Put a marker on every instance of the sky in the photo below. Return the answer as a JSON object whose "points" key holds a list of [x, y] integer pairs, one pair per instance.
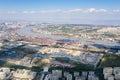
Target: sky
{"points": [[62, 11]]}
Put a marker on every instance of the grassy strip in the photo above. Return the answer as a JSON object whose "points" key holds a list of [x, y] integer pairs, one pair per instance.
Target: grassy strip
{"points": [[14, 66]]}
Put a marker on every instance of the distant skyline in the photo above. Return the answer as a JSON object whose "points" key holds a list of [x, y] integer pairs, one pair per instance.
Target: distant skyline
{"points": [[62, 11]]}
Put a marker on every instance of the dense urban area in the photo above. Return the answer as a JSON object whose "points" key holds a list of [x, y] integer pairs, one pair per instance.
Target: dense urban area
{"points": [[44, 51]]}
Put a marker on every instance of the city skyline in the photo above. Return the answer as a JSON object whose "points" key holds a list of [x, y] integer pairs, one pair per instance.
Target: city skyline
{"points": [[62, 11]]}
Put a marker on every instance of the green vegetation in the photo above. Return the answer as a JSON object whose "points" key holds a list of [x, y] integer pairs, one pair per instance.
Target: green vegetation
{"points": [[78, 66], [110, 34], [36, 69], [27, 51], [14, 66], [82, 67], [63, 59], [110, 60]]}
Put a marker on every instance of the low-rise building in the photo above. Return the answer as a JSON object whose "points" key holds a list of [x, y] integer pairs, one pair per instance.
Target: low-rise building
{"points": [[107, 71], [5, 73], [21, 74], [80, 78], [57, 73], [76, 74], [116, 71], [91, 73], [65, 74], [54, 77], [111, 77], [84, 74], [92, 77], [69, 77]]}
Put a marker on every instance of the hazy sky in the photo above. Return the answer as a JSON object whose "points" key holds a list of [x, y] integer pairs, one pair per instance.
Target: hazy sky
{"points": [[62, 11]]}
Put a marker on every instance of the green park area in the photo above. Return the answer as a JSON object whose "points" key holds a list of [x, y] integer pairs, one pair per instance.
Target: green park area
{"points": [[110, 60]]}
